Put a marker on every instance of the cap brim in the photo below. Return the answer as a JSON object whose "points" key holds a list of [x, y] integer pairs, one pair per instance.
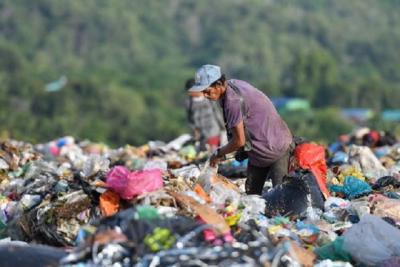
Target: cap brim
{"points": [[198, 88]]}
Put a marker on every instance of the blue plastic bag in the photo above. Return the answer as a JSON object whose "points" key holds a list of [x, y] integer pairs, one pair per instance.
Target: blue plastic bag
{"points": [[340, 158], [351, 188]]}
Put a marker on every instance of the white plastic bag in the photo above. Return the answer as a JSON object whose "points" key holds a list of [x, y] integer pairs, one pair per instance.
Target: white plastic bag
{"points": [[363, 157], [254, 206], [187, 172]]}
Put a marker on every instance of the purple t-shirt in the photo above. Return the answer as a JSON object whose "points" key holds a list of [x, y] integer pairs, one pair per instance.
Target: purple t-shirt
{"points": [[270, 136]]}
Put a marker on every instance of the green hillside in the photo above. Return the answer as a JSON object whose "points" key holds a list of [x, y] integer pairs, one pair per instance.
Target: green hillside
{"points": [[126, 61]]}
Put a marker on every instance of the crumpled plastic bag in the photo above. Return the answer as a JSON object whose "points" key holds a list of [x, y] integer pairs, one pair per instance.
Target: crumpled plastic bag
{"points": [[372, 241], [333, 251], [177, 143], [155, 164], [312, 157], [219, 188], [339, 158], [294, 196], [131, 184], [94, 164], [109, 203], [368, 162], [187, 172], [352, 187], [386, 207], [336, 202], [348, 170], [254, 205], [220, 195], [385, 181], [329, 263]]}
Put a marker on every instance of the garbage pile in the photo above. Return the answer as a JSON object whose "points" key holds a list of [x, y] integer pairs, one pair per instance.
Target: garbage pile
{"points": [[161, 204]]}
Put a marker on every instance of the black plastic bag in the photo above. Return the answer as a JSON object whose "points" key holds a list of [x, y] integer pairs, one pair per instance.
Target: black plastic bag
{"points": [[385, 181], [299, 191], [13, 254]]}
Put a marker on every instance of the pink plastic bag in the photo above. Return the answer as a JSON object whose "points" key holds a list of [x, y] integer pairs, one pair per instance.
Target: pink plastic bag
{"points": [[117, 178], [131, 184]]}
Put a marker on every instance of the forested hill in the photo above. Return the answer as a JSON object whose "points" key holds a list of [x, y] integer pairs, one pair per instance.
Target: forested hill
{"points": [[126, 60]]}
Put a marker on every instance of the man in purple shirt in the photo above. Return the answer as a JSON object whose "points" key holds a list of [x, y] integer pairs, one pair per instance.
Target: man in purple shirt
{"points": [[254, 126]]}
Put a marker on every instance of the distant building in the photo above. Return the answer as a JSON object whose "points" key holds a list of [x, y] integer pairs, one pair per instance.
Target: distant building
{"points": [[357, 115], [392, 115], [286, 104]]}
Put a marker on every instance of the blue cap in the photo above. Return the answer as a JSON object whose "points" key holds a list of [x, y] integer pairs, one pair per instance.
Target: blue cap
{"points": [[205, 76]]}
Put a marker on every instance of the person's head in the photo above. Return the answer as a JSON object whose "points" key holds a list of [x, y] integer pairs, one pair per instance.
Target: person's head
{"points": [[189, 84], [210, 82]]}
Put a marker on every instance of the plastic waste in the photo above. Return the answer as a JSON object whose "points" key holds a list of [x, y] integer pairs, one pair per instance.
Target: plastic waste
{"points": [[298, 192], [53, 149], [220, 189], [3, 164], [61, 186], [206, 177], [147, 212], [340, 158], [394, 195], [159, 239], [94, 164], [178, 143], [131, 184], [312, 214], [392, 262], [308, 233], [64, 141], [372, 241], [254, 206], [195, 196], [333, 251], [187, 172], [386, 181], [361, 207], [201, 193], [109, 203], [155, 164], [30, 201], [188, 152], [382, 151], [3, 228], [336, 202], [365, 158], [221, 195], [312, 157], [329, 263], [348, 170], [16, 253], [386, 207], [233, 168], [352, 187], [334, 147]]}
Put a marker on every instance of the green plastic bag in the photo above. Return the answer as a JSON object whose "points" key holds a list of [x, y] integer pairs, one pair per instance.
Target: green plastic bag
{"points": [[333, 251]]}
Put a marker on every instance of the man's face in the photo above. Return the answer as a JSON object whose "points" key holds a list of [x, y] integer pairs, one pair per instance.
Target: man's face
{"points": [[213, 93]]}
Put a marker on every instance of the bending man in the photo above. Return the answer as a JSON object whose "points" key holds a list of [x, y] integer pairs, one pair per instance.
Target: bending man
{"points": [[254, 127]]}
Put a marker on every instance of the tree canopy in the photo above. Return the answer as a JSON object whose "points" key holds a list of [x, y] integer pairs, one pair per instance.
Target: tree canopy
{"points": [[126, 61]]}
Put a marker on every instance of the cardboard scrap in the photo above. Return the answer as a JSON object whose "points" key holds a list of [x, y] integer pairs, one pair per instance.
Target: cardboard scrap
{"points": [[206, 213], [303, 256]]}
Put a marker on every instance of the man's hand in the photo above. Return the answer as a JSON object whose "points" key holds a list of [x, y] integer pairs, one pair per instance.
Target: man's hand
{"points": [[216, 158], [196, 134]]}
